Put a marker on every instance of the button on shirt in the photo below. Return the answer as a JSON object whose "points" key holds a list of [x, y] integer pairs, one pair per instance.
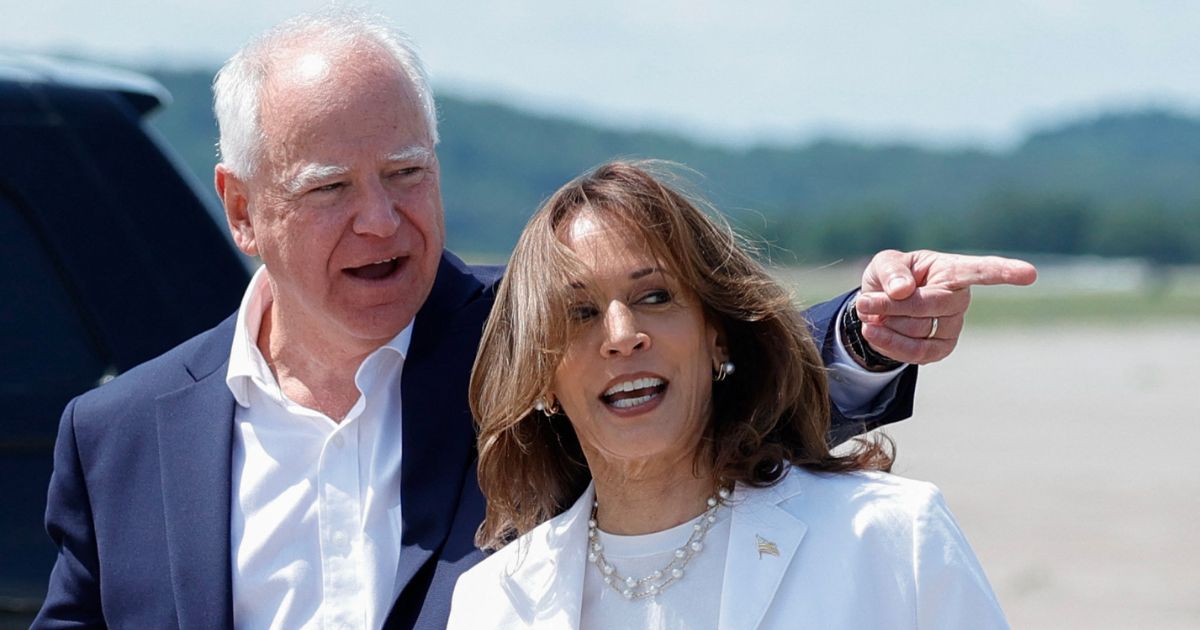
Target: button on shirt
{"points": [[315, 514]]}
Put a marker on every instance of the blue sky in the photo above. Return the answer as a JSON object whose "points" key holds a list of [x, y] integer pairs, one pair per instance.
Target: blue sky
{"points": [[966, 72]]}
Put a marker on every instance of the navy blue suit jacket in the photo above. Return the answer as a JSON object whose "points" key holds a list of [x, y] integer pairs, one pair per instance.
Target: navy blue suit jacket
{"points": [[139, 502]]}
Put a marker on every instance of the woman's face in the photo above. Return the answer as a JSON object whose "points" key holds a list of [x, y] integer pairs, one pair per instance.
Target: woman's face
{"points": [[636, 377]]}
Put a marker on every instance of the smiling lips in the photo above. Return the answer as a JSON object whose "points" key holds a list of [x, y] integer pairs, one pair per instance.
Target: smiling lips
{"points": [[634, 392], [378, 270]]}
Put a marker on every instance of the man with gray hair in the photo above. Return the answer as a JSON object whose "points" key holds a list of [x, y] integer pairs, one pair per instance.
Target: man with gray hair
{"points": [[270, 473]]}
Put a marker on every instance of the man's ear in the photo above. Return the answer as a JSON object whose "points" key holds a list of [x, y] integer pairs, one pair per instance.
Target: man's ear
{"points": [[233, 194]]}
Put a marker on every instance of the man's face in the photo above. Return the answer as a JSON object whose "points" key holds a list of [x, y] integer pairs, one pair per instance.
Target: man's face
{"points": [[345, 210]]}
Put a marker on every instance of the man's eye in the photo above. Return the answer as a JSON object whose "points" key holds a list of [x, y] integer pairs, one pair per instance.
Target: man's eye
{"points": [[658, 296], [329, 187], [411, 172], [582, 312]]}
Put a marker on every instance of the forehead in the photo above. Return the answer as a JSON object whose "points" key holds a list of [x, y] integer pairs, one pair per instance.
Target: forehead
{"points": [[609, 245], [317, 104]]}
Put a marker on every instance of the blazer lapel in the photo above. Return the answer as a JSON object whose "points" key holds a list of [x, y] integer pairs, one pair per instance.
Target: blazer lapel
{"points": [[545, 584], [432, 466], [438, 433], [195, 436], [762, 541]]}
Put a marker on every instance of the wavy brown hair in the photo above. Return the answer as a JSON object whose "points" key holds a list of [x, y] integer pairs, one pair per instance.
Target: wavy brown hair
{"points": [[772, 412]]}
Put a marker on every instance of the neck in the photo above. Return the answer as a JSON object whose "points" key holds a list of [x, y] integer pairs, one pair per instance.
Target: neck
{"points": [[311, 370], [633, 500]]}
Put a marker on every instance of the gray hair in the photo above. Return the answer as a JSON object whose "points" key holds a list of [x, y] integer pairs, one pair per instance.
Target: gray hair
{"points": [[237, 88]]}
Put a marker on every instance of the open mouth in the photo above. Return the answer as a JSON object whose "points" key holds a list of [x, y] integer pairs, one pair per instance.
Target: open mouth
{"points": [[378, 270], [634, 392]]}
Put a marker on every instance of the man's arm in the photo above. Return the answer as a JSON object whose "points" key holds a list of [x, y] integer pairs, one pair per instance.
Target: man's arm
{"points": [[868, 337], [73, 598], [857, 406]]}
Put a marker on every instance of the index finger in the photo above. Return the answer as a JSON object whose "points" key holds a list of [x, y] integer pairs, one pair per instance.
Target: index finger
{"points": [[961, 272]]}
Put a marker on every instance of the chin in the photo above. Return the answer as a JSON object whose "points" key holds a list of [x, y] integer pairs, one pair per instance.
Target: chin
{"points": [[644, 445]]}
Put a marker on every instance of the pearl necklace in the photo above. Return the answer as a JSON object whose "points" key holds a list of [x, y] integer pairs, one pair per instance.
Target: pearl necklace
{"points": [[638, 588]]}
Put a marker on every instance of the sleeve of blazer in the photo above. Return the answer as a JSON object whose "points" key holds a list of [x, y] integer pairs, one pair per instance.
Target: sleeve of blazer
{"points": [[952, 589], [73, 597], [893, 404]]}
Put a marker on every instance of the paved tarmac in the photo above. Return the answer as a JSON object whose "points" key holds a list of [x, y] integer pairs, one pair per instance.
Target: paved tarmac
{"points": [[1069, 456]]}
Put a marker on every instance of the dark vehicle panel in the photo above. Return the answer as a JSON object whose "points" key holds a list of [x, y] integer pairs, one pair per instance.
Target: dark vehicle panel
{"points": [[108, 257]]}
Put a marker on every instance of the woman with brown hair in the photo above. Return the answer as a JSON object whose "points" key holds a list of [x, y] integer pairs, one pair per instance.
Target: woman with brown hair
{"points": [[653, 418]]}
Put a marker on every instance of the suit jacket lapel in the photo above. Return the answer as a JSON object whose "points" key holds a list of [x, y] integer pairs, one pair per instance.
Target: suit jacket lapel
{"points": [[763, 538], [195, 436], [429, 476], [438, 433]]}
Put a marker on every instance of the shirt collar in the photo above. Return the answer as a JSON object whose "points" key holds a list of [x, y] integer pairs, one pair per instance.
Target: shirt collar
{"points": [[247, 366]]}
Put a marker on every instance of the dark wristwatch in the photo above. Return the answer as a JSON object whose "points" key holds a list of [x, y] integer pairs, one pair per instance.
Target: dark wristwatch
{"points": [[858, 347]]}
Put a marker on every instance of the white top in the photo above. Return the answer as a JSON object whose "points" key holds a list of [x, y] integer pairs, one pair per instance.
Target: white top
{"points": [[830, 551], [693, 602], [315, 514]]}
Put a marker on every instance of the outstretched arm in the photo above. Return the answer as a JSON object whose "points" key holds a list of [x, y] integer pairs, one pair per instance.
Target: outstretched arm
{"points": [[901, 294], [860, 400]]}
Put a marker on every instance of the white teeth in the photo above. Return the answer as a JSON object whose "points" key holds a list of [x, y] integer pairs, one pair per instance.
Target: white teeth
{"points": [[385, 260], [626, 403], [637, 383]]}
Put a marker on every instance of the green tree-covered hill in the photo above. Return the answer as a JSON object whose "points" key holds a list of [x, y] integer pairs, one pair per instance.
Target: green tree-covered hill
{"points": [[1123, 184]]}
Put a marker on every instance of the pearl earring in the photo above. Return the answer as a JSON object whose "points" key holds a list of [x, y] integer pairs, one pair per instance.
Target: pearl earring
{"points": [[540, 405], [724, 369]]}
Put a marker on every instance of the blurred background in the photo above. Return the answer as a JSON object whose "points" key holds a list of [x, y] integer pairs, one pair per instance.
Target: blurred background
{"points": [[1063, 428]]}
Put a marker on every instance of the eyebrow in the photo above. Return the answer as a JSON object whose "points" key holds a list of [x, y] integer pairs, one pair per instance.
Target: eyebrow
{"points": [[310, 174], [640, 273], [414, 152]]}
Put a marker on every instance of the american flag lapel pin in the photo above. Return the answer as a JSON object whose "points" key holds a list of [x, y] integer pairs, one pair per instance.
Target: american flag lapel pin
{"points": [[766, 547]]}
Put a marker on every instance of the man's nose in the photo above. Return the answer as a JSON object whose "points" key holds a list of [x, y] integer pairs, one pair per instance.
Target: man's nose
{"points": [[377, 213], [622, 336]]}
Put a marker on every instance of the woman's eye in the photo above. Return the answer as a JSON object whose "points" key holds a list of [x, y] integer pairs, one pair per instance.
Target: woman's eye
{"points": [[658, 296], [582, 312]]}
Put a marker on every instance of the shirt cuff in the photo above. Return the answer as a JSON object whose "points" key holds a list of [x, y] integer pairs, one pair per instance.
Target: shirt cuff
{"points": [[854, 389]]}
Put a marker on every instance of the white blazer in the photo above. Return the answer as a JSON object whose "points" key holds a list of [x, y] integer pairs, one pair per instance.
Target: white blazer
{"points": [[855, 551]]}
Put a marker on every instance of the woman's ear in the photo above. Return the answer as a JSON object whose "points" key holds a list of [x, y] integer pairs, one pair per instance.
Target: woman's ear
{"points": [[717, 346]]}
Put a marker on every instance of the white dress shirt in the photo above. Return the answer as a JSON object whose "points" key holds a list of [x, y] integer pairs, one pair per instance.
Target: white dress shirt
{"points": [[315, 513]]}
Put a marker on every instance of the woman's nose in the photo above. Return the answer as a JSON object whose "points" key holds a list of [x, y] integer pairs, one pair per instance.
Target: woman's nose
{"points": [[621, 334]]}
